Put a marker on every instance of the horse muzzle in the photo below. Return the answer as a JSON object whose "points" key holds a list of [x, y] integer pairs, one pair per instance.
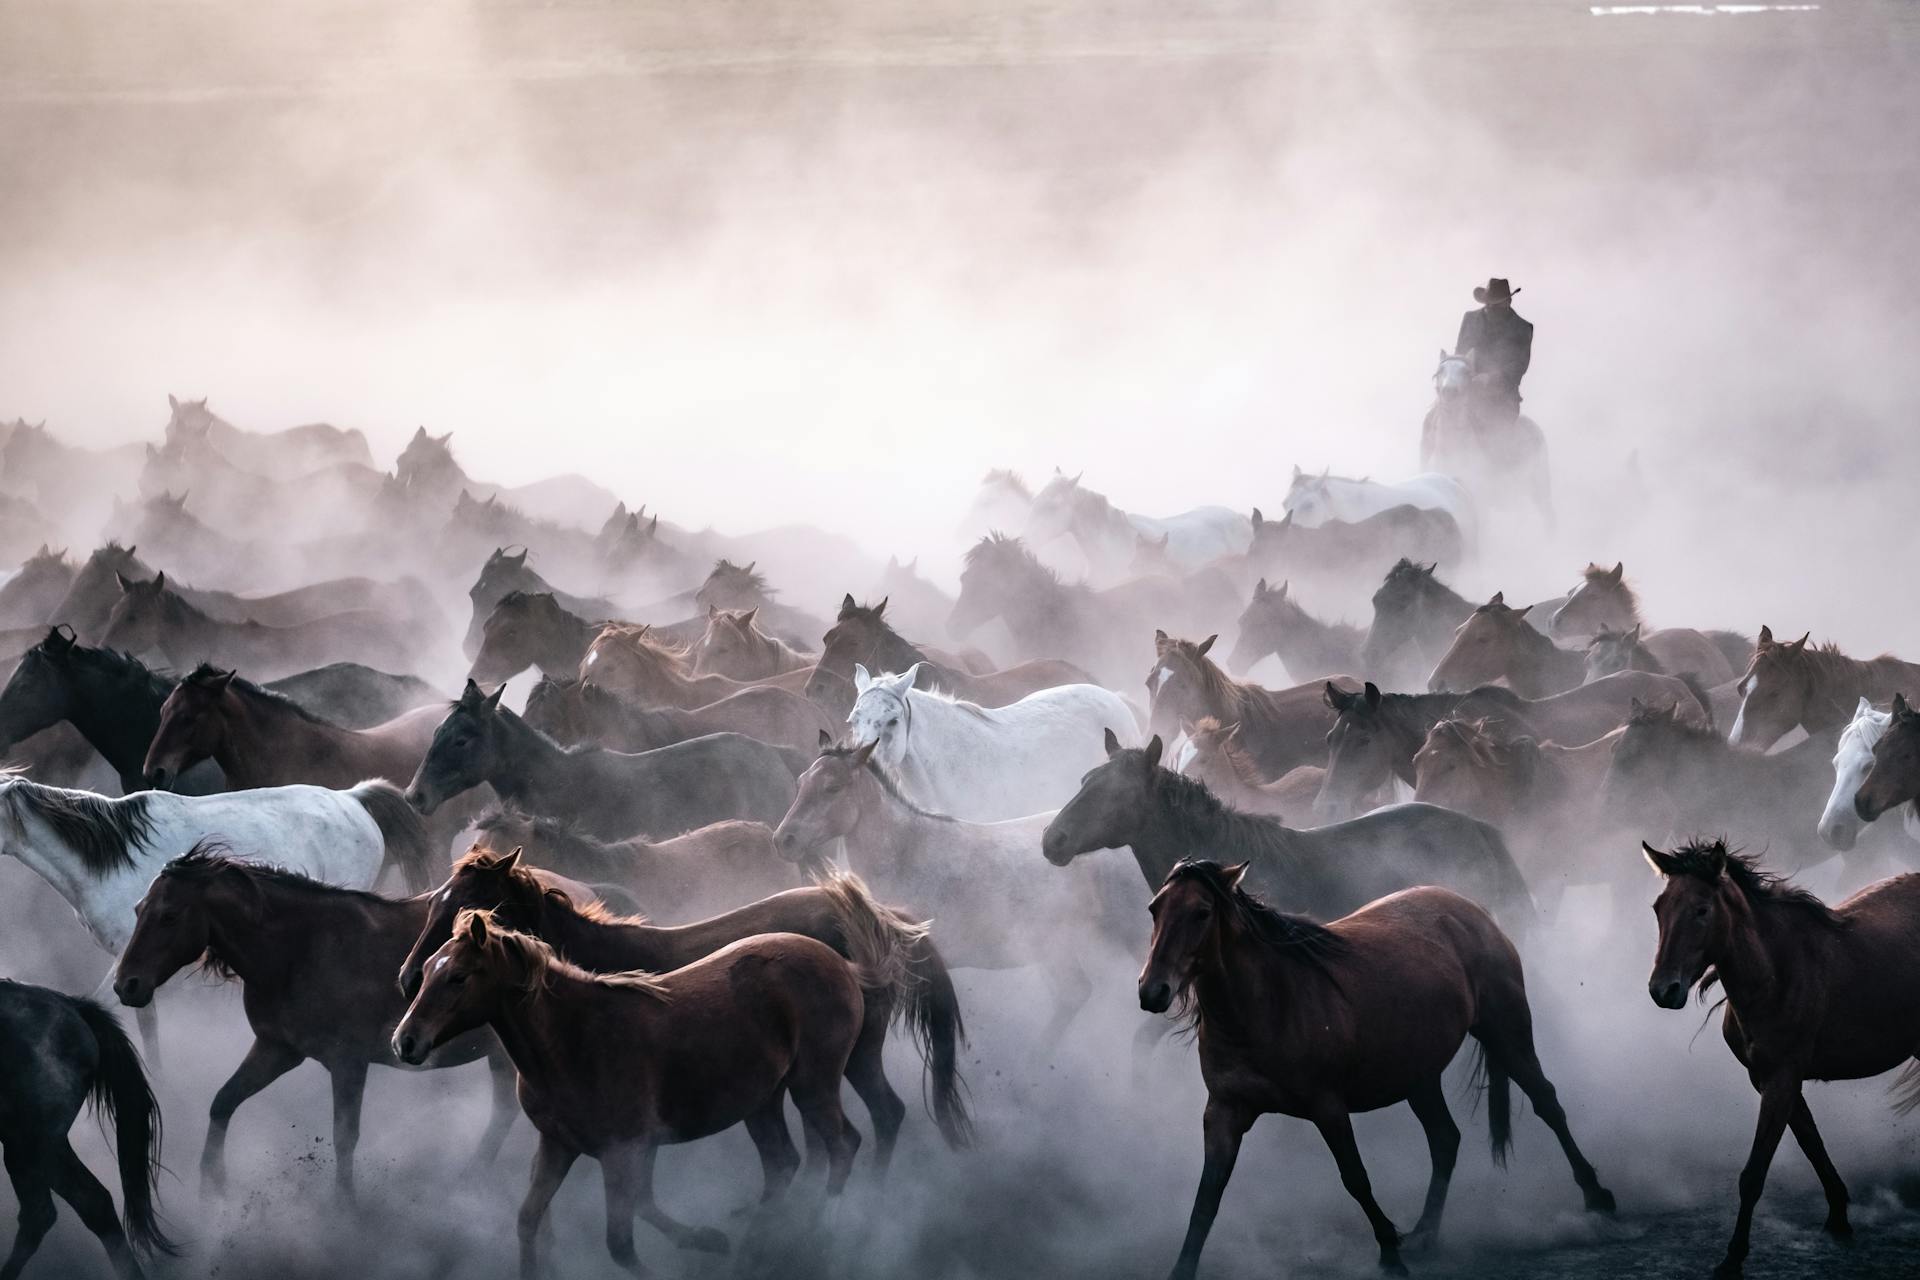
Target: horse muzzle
{"points": [[1156, 995], [133, 992], [411, 1047], [1668, 993]]}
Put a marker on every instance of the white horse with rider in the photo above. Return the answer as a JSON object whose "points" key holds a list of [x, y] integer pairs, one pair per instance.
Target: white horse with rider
{"points": [[1494, 458]]}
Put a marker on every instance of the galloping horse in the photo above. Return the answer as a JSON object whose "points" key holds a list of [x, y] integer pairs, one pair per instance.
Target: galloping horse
{"points": [[1788, 684], [1454, 441]]}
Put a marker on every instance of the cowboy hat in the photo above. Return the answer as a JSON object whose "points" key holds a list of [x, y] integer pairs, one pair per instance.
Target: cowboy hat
{"points": [[1496, 291]]}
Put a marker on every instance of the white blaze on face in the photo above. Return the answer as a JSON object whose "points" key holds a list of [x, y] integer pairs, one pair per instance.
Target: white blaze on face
{"points": [[1160, 678]]}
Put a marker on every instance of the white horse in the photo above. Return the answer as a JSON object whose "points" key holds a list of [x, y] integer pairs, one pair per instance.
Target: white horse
{"points": [[1451, 442], [985, 764], [1108, 537], [1314, 500], [1852, 758], [101, 853], [1000, 504]]}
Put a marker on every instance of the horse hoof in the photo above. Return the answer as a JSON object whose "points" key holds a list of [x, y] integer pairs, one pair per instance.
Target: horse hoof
{"points": [[1840, 1229], [1729, 1270], [1392, 1265], [707, 1240], [1600, 1200], [1421, 1240]]}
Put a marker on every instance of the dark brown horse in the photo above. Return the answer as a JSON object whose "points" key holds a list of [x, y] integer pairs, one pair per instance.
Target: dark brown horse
{"points": [[917, 991], [1280, 729], [1894, 776], [1790, 684], [1131, 802], [706, 870], [1812, 993], [531, 629], [573, 712], [862, 636], [1275, 623], [317, 963], [1321, 1021], [149, 617], [1414, 618], [671, 1058]]}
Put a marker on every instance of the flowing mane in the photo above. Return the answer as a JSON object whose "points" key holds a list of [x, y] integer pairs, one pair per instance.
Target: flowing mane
{"points": [[115, 666], [1003, 551], [1602, 579], [206, 674], [740, 578], [1191, 806], [527, 964], [1290, 935], [102, 831], [641, 641], [1707, 859]]}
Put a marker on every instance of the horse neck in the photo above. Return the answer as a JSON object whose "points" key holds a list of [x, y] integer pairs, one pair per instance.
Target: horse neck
{"points": [[1225, 833], [894, 652], [118, 721], [259, 947], [528, 766], [567, 644], [56, 862], [1442, 610], [888, 830], [1409, 718], [605, 946], [266, 745], [1102, 529], [542, 1029], [1242, 984], [1542, 661], [1755, 955]]}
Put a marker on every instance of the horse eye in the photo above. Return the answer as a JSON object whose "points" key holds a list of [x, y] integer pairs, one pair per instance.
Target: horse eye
{"points": [[457, 980], [893, 722]]}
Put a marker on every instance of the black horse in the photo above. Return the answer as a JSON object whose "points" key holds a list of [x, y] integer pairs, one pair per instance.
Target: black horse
{"points": [[57, 1053], [610, 794]]}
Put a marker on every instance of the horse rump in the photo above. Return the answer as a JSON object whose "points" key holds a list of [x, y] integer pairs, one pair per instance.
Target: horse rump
{"points": [[409, 850]]}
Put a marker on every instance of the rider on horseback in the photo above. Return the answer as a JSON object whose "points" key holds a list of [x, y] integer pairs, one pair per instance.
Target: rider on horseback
{"points": [[1502, 347]]}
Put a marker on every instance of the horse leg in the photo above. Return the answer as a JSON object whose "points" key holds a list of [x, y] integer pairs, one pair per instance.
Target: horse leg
{"points": [[1429, 1103], [349, 1087], [867, 1073], [76, 1185], [619, 1170], [34, 1191], [1807, 1134], [1508, 1041], [705, 1239], [1223, 1128], [1336, 1130], [1776, 1108], [265, 1062], [506, 1105], [550, 1164], [817, 1094], [779, 1161]]}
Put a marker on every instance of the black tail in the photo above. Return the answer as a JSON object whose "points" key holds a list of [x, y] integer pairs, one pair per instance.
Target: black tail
{"points": [[121, 1093], [409, 850], [1490, 1076], [934, 1021]]}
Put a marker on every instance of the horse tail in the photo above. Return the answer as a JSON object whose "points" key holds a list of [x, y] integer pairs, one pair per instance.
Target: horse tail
{"points": [[1906, 1088], [1489, 1076], [120, 1092], [409, 850], [894, 954]]}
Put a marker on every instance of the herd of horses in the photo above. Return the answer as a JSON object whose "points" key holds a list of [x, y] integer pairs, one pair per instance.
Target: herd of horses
{"points": [[721, 850]]}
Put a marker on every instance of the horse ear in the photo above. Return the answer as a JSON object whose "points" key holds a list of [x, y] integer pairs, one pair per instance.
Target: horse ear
{"points": [[1285, 587], [863, 753], [746, 619], [471, 693], [171, 402], [1075, 482], [1663, 863], [477, 928], [59, 640], [492, 702], [1112, 741], [1523, 611], [1499, 597], [862, 678], [160, 580], [1899, 705], [911, 677], [1801, 643], [512, 860], [1286, 521], [1233, 733], [1259, 588], [846, 603], [1373, 695], [1618, 572], [1258, 519], [1766, 637], [1154, 748], [1235, 874], [1208, 643], [1160, 640], [126, 583], [913, 565], [713, 610], [750, 564], [220, 682], [880, 609], [1633, 634], [1337, 698]]}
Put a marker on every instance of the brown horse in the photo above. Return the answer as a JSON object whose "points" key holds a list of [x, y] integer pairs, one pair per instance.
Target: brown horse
{"points": [[1613, 651], [317, 963], [1216, 758], [740, 586], [1894, 776], [1280, 729], [1812, 993], [531, 629], [1321, 1021], [838, 911], [1496, 643], [1603, 599], [862, 636], [670, 1058], [735, 647], [1815, 688], [706, 870], [148, 617], [1275, 623], [573, 712], [633, 661]]}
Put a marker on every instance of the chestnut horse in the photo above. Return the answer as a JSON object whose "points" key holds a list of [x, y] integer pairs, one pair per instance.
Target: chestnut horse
{"points": [[838, 912], [670, 1058], [1812, 993], [1497, 643], [633, 660], [317, 962], [1280, 729], [1603, 599], [862, 636], [1789, 684], [735, 647], [1321, 1021]]}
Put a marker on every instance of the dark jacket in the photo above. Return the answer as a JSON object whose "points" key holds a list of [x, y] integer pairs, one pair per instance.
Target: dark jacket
{"points": [[1502, 344]]}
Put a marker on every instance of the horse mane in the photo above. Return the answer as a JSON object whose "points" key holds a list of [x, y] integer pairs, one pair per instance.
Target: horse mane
{"points": [[1292, 935], [639, 637], [1008, 477], [531, 964], [1238, 758], [210, 858], [102, 831], [1601, 578], [1665, 717], [1519, 756], [119, 666], [1218, 685], [519, 598], [888, 783], [1239, 837], [742, 575], [1006, 550], [1706, 859], [206, 672], [583, 856]]}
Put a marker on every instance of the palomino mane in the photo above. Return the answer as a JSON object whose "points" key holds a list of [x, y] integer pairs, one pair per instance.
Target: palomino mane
{"points": [[583, 856], [1295, 937], [532, 964], [1706, 859], [206, 673], [1217, 684], [102, 831]]}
